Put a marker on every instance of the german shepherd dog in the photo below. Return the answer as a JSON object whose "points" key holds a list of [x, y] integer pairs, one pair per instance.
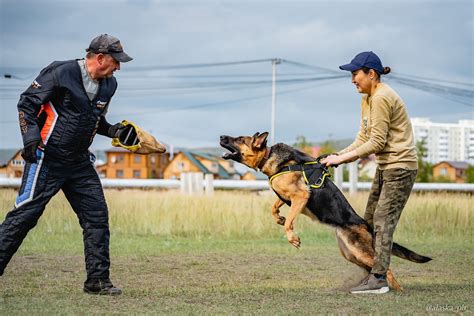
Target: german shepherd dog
{"points": [[327, 204]]}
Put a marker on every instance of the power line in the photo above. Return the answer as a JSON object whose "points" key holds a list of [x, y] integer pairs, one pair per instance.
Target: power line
{"points": [[198, 65], [405, 76], [203, 105], [244, 75], [307, 66], [441, 90]]}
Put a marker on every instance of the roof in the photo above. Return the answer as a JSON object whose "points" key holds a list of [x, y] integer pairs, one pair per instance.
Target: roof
{"points": [[455, 164], [212, 151], [196, 162], [257, 175], [6, 155], [221, 171]]}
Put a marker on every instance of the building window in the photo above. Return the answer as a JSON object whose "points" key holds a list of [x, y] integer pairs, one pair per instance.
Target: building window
{"points": [[119, 173], [118, 159], [18, 162], [137, 159], [180, 166], [153, 159], [136, 174], [443, 172]]}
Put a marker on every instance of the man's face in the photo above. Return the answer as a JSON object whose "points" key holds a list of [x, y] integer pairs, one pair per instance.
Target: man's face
{"points": [[107, 65]]}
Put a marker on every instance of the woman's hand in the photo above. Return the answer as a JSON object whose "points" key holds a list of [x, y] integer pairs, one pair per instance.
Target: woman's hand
{"points": [[331, 160], [335, 160]]}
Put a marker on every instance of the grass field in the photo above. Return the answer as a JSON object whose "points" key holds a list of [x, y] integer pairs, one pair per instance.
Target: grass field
{"points": [[224, 255]]}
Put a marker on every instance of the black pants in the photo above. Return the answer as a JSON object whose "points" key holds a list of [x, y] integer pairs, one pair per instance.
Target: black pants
{"points": [[82, 188]]}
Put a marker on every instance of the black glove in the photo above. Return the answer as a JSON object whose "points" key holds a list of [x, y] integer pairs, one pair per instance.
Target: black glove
{"points": [[29, 151], [116, 130]]}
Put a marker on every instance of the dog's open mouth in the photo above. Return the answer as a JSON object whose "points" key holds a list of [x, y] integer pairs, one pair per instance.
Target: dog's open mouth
{"points": [[234, 151]]}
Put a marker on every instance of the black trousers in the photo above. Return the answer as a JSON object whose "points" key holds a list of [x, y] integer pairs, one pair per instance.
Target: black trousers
{"points": [[82, 188]]}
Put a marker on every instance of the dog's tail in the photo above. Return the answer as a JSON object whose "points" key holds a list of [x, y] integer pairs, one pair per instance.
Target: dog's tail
{"points": [[407, 254]]}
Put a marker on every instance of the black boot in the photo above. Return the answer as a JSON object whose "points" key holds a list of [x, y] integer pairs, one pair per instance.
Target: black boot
{"points": [[101, 287]]}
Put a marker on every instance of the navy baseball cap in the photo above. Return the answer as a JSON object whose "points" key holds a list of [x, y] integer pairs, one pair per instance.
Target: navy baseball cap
{"points": [[108, 44], [365, 59]]}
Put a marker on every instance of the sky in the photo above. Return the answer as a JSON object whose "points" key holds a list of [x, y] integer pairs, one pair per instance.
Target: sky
{"points": [[191, 107]]}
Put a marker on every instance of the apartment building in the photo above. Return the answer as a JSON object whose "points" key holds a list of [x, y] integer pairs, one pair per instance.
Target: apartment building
{"points": [[446, 141]]}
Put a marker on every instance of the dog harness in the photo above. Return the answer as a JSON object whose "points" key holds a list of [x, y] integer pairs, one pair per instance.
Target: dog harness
{"points": [[314, 173]]}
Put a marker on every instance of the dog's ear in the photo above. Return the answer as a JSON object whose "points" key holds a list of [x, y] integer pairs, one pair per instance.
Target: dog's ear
{"points": [[256, 134], [260, 141]]}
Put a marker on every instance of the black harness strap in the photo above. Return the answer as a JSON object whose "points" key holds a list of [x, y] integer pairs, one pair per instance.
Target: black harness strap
{"points": [[314, 174]]}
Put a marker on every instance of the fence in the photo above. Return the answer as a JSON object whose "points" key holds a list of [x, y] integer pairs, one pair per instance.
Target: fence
{"points": [[197, 183]]}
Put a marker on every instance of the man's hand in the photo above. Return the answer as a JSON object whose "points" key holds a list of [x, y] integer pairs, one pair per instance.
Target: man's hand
{"points": [[29, 151], [116, 130]]}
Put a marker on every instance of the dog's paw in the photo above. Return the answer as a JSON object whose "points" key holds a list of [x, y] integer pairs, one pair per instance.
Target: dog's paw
{"points": [[295, 241], [281, 220]]}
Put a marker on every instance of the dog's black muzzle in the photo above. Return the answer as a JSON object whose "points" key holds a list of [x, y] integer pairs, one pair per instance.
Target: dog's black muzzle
{"points": [[228, 143]]}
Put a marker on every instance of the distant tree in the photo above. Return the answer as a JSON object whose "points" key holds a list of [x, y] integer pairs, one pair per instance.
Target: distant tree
{"points": [[470, 174], [327, 147], [425, 169], [301, 142]]}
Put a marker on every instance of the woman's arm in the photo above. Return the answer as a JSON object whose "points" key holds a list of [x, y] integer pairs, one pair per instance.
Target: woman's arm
{"points": [[332, 160]]}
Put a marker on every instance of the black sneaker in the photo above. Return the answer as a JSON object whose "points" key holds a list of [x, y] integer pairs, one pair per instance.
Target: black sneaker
{"points": [[101, 287], [371, 285]]}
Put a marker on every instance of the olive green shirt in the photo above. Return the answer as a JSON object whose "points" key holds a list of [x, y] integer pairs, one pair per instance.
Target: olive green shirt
{"points": [[385, 131]]}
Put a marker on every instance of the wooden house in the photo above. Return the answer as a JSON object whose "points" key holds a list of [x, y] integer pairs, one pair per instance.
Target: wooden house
{"points": [[195, 161], [11, 164], [123, 164], [454, 171]]}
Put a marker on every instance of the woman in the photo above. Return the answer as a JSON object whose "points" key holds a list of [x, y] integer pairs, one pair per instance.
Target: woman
{"points": [[385, 131]]}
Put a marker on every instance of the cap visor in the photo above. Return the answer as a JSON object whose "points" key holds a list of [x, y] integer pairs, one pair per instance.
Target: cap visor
{"points": [[350, 67], [121, 57]]}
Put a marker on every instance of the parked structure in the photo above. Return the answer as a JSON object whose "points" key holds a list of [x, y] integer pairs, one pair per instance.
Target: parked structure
{"points": [[446, 141]]}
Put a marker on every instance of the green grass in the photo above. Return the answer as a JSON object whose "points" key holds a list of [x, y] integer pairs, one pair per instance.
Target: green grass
{"points": [[176, 254]]}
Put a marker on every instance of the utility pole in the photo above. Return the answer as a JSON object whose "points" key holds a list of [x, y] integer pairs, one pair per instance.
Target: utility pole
{"points": [[275, 61]]}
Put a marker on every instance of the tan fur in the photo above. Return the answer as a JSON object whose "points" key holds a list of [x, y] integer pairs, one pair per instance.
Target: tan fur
{"points": [[355, 242]]}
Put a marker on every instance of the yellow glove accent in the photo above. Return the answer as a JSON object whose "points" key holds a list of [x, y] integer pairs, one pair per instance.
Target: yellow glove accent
{"points": [[144, 142]]}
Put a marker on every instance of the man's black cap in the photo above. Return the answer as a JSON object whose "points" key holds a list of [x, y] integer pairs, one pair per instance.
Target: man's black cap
{"points": [[107, 44]]}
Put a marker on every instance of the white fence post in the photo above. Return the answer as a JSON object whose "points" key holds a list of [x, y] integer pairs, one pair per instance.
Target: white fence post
{"points": [[338, 176], [183, 184], [353, 177], [198, 182], [209, 184], [192, 183]]}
